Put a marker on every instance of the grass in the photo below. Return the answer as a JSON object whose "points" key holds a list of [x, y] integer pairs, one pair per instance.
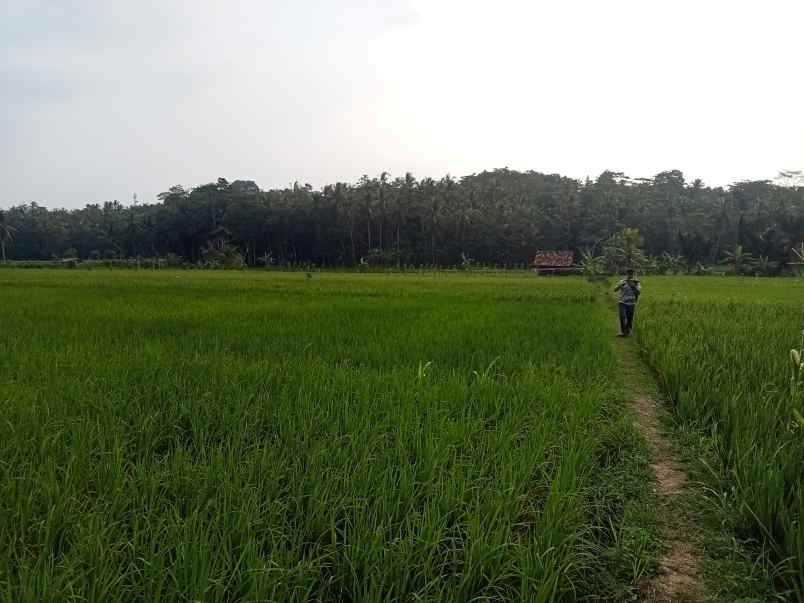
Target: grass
{"points": [[720, 349], [250, 436]]}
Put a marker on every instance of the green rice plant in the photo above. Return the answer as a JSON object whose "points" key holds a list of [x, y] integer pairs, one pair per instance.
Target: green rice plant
{"points": [[797, 371], [223, 436], [720, 349], [488, 374], [423, 371]]}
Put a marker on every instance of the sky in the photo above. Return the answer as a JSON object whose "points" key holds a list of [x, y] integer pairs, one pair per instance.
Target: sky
{"points": [[102, 99]]}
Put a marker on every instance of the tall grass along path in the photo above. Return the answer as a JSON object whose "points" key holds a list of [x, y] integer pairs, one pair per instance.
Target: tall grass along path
{"points": [[720, 348]]}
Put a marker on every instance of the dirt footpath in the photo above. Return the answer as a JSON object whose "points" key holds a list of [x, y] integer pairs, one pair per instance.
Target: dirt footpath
{"points": [[679, 578]]}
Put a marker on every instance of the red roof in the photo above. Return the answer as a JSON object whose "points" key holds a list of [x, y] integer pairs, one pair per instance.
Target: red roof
{"points": [[561, 259]]}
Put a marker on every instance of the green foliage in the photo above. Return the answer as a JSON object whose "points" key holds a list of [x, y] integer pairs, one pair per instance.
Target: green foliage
{"points": [[739, 261], [222, 255], [592, 266], [624, 251], [188, 435], [383, 257], [764, 266], [670, 263], [173, 261], [797, 375], [721, 349], [6, 235], [499, 218], [797, 255]]}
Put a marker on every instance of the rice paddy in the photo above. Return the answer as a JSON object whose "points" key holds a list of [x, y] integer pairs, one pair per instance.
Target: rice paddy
{"points": [[264, 436], [225, 436], [721, 348]]}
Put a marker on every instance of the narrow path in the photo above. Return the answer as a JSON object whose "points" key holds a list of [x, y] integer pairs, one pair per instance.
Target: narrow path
{"points": [[679, 578]]}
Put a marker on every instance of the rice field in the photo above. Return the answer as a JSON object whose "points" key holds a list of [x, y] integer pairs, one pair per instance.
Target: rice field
{"points": [[222, 436], [261, 436], [721, 348]]}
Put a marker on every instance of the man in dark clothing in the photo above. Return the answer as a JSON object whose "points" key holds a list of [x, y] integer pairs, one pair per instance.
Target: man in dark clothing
{"points": [[629, 289]]}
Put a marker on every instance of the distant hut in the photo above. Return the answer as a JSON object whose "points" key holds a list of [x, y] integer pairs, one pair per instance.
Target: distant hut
{"points": [[553, 262]]}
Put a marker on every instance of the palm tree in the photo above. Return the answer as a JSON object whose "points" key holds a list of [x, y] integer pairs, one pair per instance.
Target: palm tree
{"points": [[6, 234]]}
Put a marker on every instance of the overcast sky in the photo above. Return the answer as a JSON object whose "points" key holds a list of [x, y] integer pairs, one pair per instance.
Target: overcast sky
{"points": [[101, 98]]}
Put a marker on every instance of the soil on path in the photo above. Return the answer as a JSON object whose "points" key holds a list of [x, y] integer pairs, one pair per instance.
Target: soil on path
{"points": [[679, 578]]}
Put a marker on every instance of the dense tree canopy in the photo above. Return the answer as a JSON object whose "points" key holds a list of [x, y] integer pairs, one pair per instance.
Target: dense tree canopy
{"points": [[500, 217]]}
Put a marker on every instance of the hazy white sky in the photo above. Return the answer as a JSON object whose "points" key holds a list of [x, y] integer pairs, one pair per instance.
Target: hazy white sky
{"points": [[104, 98]]}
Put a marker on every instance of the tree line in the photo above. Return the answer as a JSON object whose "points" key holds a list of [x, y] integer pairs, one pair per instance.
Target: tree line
{"points": [[501, 218]]}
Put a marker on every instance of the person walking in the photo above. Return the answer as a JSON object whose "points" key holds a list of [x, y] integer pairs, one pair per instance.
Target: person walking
{"points": [[629, 290]]}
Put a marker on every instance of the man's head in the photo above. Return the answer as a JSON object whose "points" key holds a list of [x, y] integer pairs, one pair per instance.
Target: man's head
{"points": [[629, 274]]}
